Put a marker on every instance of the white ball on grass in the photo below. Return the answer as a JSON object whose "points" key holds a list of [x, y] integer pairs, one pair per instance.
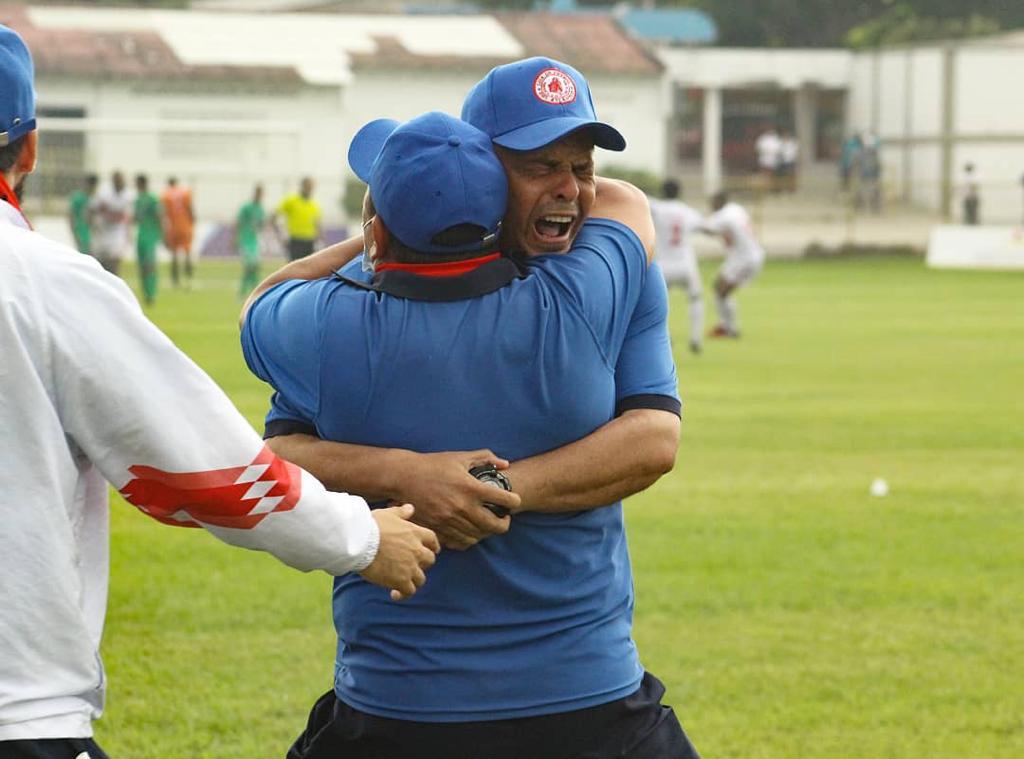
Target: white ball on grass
{"points": [[879, 488]]}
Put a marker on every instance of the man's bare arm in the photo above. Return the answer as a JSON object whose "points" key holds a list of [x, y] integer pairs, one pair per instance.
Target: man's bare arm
{"points": [[627, 205], [623, 457]]}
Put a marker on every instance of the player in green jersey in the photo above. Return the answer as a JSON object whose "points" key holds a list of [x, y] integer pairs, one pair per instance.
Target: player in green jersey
{"points": [[150, 230], [81, 228], [248, 225]]}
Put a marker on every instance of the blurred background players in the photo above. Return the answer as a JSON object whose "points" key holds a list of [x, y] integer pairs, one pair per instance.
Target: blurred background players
{"points": [[302, 220], [869, 164], [768, 147], [969, 186], [675, 224], [150, 227], [111, 212], [80, 214], [789, 154], [179, 223], [849, 160], [744, 258], [248, 225]]}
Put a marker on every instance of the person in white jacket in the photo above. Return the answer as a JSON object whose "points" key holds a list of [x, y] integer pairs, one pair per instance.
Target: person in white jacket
{"points": [[92, 392]]}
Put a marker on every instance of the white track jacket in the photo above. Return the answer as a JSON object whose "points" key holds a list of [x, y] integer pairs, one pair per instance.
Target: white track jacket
{"points": [[92, 392]]}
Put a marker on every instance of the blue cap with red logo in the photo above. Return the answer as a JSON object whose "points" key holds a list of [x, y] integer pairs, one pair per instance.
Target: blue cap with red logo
{"points": [[429, 174], [17, 93], [530, 103]]}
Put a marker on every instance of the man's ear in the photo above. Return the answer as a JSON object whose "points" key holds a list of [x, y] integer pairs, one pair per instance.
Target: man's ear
{"points": [[26, 162], [381, 237]]}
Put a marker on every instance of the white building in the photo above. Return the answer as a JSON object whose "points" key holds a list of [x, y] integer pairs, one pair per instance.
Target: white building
{"points": [[725, 97], [223, 100]]}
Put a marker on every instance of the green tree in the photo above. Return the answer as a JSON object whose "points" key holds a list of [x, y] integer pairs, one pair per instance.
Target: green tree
{"points": [[901, 23]]}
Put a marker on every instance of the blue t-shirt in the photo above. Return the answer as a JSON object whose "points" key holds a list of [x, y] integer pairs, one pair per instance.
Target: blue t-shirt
{"points": [[535, 621]]}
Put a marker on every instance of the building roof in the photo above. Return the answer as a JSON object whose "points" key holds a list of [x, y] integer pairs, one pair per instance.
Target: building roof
{"points": [[591, 42], [125, 54], [318, 48], [680, 26]]}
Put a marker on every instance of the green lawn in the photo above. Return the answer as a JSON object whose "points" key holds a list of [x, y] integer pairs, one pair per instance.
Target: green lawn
{"points": [[790, 613]]}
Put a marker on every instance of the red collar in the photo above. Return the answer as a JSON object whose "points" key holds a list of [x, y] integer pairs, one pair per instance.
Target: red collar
{"points": [[447, 269], [8, 196]]}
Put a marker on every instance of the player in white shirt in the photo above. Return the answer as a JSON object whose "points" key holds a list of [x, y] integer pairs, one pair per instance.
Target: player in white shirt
{"points": [[111, 209], [769, 156], [744, 258], [675, 224], [92, 392]]}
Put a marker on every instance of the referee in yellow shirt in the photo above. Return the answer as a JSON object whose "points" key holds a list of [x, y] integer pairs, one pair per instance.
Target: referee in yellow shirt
{"points": [[302, 217]]}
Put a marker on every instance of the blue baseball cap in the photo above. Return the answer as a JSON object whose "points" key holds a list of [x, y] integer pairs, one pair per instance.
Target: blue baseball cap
{"points": [[17, 94], [530, 103], [429, 174]]}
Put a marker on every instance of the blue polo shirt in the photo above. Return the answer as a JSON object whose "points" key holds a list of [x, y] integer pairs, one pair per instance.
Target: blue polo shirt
{"points": [[535, 621]]}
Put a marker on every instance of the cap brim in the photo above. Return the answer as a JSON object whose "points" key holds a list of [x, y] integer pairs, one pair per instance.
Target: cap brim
{"points": [[366, 146], [545, 132]]}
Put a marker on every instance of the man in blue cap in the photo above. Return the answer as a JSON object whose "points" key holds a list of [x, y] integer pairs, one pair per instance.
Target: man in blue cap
{"points": [[521, 645], [92, 392], [540, 114]]}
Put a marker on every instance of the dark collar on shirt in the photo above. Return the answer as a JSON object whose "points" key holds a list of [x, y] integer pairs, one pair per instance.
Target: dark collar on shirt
{"points": [[484, 279]]}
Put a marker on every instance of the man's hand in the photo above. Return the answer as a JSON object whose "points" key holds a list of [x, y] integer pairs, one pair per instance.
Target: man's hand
{"points": [[449, 500], [406, 551]]}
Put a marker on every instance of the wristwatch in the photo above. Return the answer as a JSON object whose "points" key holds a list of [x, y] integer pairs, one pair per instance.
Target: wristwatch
{"points": [[489, 474]]}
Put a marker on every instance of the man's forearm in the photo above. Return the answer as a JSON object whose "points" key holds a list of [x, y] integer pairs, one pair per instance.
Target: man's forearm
{"points": [[447, 497], [625, 456], [361, 469]]}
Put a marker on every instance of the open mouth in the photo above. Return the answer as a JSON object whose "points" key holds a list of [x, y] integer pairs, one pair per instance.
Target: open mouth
{"points": [[553, 227]]}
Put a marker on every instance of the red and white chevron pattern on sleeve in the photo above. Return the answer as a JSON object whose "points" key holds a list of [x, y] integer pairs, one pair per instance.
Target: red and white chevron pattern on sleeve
{"points": [[238, 497]]}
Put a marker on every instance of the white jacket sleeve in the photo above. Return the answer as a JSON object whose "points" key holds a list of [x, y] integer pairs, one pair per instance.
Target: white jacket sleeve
{"points": [[165, 435]]}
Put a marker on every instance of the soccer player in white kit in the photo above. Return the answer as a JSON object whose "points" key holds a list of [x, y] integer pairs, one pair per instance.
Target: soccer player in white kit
{"points": [[744, 258], [112, 213], [675, 223]]}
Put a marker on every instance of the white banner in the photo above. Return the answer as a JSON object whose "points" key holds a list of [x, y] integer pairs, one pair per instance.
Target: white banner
{"points": [[981, 247]]}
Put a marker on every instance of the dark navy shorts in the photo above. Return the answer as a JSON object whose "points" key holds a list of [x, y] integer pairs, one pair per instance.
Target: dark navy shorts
{"points": [[636, 727]]}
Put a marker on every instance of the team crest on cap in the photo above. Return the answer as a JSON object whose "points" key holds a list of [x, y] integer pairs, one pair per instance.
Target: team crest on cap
{"points": [[554, 87]]}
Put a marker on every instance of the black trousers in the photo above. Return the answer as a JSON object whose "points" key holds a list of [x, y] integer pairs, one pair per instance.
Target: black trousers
{"points": [[299, 248], [971, 205], [635, 727], [51, 748]]}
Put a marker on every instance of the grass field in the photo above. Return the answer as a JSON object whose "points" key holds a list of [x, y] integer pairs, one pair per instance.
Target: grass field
{"points": [[790, 613]]}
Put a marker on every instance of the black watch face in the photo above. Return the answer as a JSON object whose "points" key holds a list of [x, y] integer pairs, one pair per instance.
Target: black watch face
{"points": [[498, 511]]}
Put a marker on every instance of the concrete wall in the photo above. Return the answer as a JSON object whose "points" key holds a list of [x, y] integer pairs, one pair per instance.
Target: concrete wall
{"points": [[902, 93], [220, 142]]}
